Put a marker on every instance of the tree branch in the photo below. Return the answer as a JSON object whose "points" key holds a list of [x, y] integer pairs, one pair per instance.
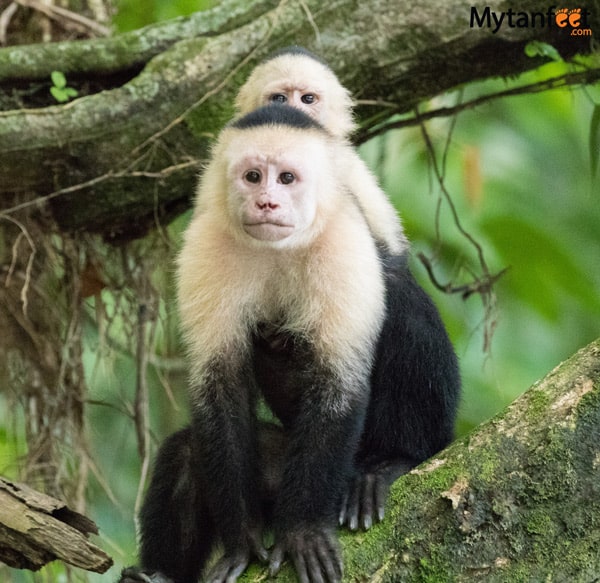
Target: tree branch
{"points": [[155, 98], [36, 529]]}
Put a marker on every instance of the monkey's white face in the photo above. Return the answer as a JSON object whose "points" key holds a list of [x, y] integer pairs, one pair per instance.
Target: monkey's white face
{"points": [[300, 95], [272, 195], [300, 82]]}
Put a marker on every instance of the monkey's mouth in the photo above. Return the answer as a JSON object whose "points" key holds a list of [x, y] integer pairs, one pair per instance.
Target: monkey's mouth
{"points": [[268, 230]]}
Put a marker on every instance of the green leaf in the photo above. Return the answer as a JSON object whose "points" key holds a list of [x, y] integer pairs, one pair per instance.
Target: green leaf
{"points": [[539, 49], [70, 92], [59, 94], [542, 267], [595, 141], [58, 79]]}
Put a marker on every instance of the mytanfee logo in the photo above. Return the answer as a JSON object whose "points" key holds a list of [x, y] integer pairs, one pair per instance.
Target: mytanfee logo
{"points": [[572, 19]]}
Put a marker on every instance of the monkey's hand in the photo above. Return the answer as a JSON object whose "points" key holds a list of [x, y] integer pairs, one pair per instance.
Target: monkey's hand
{"points": [[315, 553], [232, 564], [364, 502]]}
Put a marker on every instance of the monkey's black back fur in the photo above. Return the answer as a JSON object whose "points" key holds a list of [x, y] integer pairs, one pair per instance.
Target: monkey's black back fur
{"points": [[415, 383]]}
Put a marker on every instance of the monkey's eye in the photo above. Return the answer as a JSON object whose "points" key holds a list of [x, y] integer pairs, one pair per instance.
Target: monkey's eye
{"points": [[252, 176], [286, 178], [278, 98], [308, 98]]}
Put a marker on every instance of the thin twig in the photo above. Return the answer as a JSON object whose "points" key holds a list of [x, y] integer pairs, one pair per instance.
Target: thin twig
{"points": [[568, 79], [29, 268], [60, 15], [483, 285], [311, 21], [5, 19], [165, 172], [141, 384], [440, 178], [467, 289]]}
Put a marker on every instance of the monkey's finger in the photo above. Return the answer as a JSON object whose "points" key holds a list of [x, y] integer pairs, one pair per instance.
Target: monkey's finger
{"points": [[368, 493], [342, 516], [353, 506], [330, 561], [262, 554], [235, 572], [228, 569], [136, 575], [258, 549], [302, 570], [381, 494], [276, 559]]}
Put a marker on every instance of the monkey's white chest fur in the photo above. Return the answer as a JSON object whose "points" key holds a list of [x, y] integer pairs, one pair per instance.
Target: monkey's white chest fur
{"points": [[331, 291]]}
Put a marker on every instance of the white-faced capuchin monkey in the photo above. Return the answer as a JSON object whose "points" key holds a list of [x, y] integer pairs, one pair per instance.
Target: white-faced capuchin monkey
{"points": [[279, 272], [287, 293], [299, 78]]}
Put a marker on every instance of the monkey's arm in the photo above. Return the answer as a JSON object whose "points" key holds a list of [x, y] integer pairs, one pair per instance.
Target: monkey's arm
{"points": [[380, 214], [225, 446], [415, 387], [323, 440]]}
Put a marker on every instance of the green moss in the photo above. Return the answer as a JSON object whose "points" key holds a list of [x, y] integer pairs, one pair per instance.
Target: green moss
{"points": [[435, 568], [538, 403], [209, 119], [538, 522], [487, 464], [363, 550]]}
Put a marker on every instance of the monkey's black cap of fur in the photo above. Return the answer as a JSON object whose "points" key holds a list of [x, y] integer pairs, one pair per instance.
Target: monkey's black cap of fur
{"points": [[276, 114]]}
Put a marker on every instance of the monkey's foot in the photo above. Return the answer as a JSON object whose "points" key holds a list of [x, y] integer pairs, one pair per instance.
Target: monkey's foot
{"points": [[364, 502], [137, 575], [314, 552], [231, 565]]}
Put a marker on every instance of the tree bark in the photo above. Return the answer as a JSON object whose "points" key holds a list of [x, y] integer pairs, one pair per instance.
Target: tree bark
{"points": [[127, 151], [36, 529], [517, 500]]}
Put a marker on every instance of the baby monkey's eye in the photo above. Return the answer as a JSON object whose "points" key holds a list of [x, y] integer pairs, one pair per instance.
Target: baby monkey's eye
{"points": [[278, 98], [308, 98], [252, 176], [286, 178]]}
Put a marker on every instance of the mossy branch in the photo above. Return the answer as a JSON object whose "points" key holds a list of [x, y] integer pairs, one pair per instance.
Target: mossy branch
{"points": [[517, 500]]}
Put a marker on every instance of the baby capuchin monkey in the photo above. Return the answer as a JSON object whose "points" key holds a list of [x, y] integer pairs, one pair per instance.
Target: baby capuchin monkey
{"points": [[415, 380], [299, 78], [282, 296]]}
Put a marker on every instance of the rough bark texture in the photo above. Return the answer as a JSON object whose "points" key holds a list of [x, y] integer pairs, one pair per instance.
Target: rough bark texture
{"points": [[152, 100], [36, 529], [517, 500]]}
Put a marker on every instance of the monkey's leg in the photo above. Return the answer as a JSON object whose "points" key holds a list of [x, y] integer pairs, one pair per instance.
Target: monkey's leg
{"points": [[272, 445], [176, 531], [415, 388]]}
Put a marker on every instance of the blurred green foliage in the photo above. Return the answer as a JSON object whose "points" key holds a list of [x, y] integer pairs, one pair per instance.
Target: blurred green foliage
{"points": [[519, 174], [133, 14], [519, 171]]}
